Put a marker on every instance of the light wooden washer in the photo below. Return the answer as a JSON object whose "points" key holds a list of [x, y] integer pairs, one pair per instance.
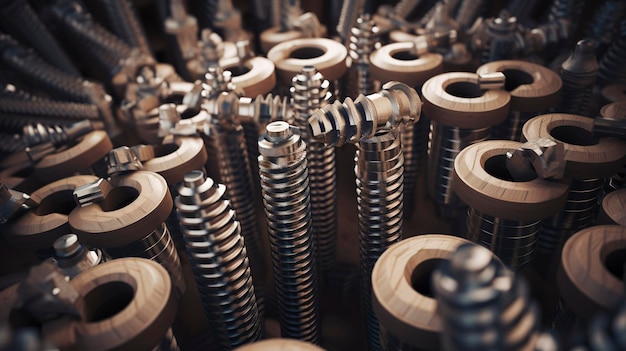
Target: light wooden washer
{"points": [[587, 273], [280, 345], [326, 55], [125, 304], [177, 157], [38, 228], [258, 79], [409, 315], [613, 209], [397, 62], [614, 92]]}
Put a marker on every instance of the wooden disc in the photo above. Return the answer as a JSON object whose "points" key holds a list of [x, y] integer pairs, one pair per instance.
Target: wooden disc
{"points": [[406, 313], [615, 110], [186, 154], [386, 67], [614, 92], [260, 78], [104, 225], [479, 189], [40, 227], [536, 96], [613, 209], [584, 281], [602, 159], [274, 36], [126, 304], [91, 148], [442, 107], [280, 345], [331, 61]]}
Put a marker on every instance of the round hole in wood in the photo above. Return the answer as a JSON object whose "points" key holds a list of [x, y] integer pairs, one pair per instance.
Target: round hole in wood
{"points": [[422, 275], [107, 300], [59, 202], [306, 53], [119, 198], [515, 78], [237, 71], [464, 90], [496, 166], [165, 149], [573, 135], [404, 56], [615, 262]]}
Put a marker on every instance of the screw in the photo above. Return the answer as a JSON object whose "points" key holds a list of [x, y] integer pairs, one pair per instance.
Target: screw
{"points": [[284, 183], [543, 157], [72, 258], [12, 202], [578, 74], [350, 10], [362, 43], [611, 67], [219, 259]]}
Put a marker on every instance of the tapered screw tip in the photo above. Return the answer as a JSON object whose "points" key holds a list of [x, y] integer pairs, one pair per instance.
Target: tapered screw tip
{"points": [[194, 179]]}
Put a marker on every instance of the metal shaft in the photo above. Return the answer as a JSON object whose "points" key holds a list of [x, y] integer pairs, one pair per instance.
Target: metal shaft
{"points": [[362, 41], [215, 245], [285, 188], [578, 74], [310, 91], [379, 168]]}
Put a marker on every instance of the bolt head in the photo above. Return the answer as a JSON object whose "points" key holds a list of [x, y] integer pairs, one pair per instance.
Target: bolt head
{"points": [[542, 157], [92, 193]]}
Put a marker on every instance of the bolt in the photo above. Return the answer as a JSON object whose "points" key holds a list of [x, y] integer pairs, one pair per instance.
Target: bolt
{"points": [[92, 193], [542, 157], [122, 159], [12, 202], [578, 74]]}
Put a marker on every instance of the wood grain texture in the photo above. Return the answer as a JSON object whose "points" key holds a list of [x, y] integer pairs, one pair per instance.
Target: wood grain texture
{"points": [[332, 63], [407, 314], [385, 67], [537, 96], [530, 200], [280, 345], [274, 36], [585, 283], [613, 209], [442, 107], [122, 226], [91, 148], [582, 161], [189, 154], [139, 325], [38, 228], [260, 78], [614, 92], [615, 110]]}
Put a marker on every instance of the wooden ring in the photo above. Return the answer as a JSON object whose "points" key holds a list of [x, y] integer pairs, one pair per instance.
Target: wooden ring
{"points": [[274, 36], [260, 78], [539, 95], [614, 92], [602, 159], [613, 209], [585, 283], [98, 227], [529, 200], [189, 154], [331, 63], [442, 107], [126, 304], [91, 148], [615, 110], [279, 345], [404, 312], [414, 72], [40, 227]]}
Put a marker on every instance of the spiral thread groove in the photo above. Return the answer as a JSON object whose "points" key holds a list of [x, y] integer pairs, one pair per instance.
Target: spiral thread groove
{"points": [[578, 74], [379, 185], [285, 189], [612, 68], [362, 43], [219, 260]]}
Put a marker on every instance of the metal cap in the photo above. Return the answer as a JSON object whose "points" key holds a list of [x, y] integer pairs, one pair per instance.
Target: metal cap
{"points": [[122, 159], [67, 245], [542, 157], [91, 193]]}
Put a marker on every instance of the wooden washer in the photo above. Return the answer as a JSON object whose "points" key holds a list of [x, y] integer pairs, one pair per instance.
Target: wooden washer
{"points": [[89, 149], [444, 101], [615, 110], [586, 157], [326, 55], [176, 158], [396, 62], [280, 345], [126, 304], [406, 313], [614, 92], [38, 228], [587, 276], [613, 209], [258, 77]]}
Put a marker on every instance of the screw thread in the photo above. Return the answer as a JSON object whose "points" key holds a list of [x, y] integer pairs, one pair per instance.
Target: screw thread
{"points": [[605, 20], [285, 188], [123, 22], [310, 91], [10, 143], [49, 109], [362, 43], [20, 20], [578, 74], [483, 305], [219, 260], [349, 13], [289, 10], [612, 63], [445, 144], [577, 213], [503, 35], [379, 179], [468, 11]]}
